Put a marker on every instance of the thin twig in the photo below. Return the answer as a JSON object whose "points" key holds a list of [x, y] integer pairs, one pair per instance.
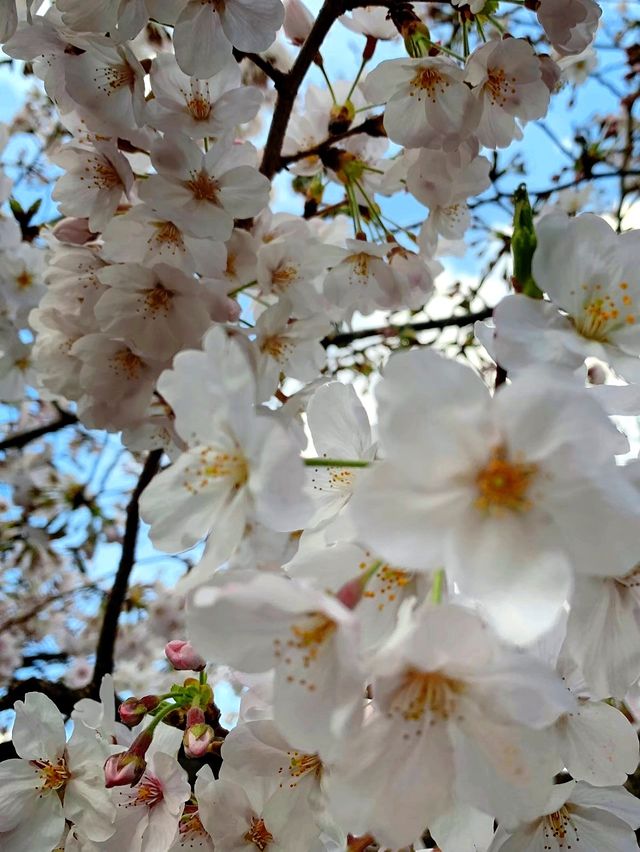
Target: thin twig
{"points": [[387, 331], [118, 593], [21, 439]]}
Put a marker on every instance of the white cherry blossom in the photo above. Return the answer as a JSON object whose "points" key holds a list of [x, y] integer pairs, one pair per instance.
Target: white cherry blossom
{"points": [[486, 485], [428, 104], [507, 82], [308, 638], [202, 192]]}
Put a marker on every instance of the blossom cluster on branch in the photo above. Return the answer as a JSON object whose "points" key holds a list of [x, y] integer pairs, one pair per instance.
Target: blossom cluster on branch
{"points": [[428, 607]]}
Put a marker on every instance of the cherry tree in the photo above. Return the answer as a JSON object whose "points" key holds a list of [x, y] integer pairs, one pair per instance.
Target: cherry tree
{"points": [[319, 369]]}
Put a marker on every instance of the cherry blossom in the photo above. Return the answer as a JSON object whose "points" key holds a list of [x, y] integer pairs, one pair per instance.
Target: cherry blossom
{"points": [[507, 82], [308, 638], [428, 103], [488, 477], [202, 192]]}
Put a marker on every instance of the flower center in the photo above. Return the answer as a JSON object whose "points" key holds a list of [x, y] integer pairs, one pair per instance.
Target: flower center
{"points": [[276, 346], [203, 187], [231, 465], [499, 87], [258, 834], [283, 276], [54, 775], [24, 280], [158, 300], [167, 232], [431, 81], [311, 635], [503, 484], [199, 107], [603, 313], [420, 692], [386, 584], [125, 362], [118, 76], [149, 792], [559, 826], [303, 764], [103, 174]]}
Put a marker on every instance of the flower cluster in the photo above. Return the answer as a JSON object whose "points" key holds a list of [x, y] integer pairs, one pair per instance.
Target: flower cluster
{"points": [[429, 607]]}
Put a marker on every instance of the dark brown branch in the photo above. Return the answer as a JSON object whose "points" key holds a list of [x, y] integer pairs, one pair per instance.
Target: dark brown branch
{"points": [[21, 439], [118, 593], [288, 90], [371, 127], [278, 77], [347, 337], [63, 696]]}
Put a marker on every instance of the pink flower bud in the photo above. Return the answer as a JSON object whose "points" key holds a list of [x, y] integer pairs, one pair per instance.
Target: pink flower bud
{"points": [[198, 740], [183, 657], [298, 21], [73, 231], [195, 716], [351, 593], [132, 712], [124, 768]]}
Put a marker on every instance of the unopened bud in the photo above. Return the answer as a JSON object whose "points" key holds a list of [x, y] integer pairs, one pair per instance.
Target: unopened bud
{"points": [[298, 21], [198, 736], [74, 231], [133, 710], [124, 768], [351, 593], [183, 657]]}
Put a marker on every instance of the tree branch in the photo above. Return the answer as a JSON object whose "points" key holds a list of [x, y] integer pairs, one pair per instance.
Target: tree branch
{"points": [[372, 127], [21, 439], [276, 76], [386, 331], [115, 601], [288, 89]]}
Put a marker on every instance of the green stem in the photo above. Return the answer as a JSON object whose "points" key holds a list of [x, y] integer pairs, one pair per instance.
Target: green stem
{"points": [[358, 75], [438, 586], [448, 51], [240, 289], [161, 713], [465, 38], [336, 462], [328, 82]]}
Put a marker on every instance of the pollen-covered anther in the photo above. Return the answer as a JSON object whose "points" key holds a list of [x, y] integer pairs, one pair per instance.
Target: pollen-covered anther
{"points": [[276, 346], [602, 314], [304, 764], [116, 77], [158, 300], [283, 277], [504, 484], [127, 363], [431, 81], [560, 826], [421, 692], [203, 187], [308, 637], [168, 233], [149, 792], [101, 174], [54, 775], [258, 834], [499, 86]]}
